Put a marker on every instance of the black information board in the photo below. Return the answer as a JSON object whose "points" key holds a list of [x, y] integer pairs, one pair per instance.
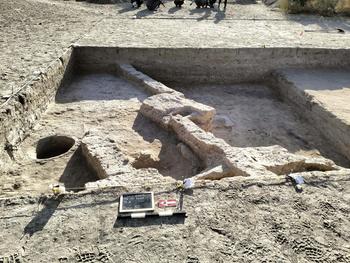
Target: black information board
{"points": [[136, 202]]}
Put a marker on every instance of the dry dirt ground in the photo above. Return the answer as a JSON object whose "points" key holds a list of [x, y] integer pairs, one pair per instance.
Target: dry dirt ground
{"points": [[35, 32], [227, 222], [233, 220]]}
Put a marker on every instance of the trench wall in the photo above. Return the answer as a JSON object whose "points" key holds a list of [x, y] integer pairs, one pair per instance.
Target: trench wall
{"points": [[25, 107], [211, 65], [332, 127]]}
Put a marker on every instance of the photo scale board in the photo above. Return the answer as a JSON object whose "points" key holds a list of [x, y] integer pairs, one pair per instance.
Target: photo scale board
{"points": [[136, 202]]}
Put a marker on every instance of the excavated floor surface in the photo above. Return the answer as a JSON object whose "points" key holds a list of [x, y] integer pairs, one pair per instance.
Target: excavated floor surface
{"points": [[250, 115]]}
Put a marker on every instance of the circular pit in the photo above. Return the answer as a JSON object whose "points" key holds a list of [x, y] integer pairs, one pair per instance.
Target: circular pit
{"points": [[53, 146]]}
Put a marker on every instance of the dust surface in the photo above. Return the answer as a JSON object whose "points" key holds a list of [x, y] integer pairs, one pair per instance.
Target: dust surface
{"points": [[36, 32], [227, 222]]}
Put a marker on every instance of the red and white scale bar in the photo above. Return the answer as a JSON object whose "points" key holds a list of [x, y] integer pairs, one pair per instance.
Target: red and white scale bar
{"points": [[167, 203]]}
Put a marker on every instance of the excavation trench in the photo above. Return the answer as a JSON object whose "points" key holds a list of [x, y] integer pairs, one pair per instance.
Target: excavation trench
{"points": [[252, 115], [133, 128]]}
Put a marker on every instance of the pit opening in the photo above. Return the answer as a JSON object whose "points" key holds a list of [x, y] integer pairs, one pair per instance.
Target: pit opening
{"points": [[53, 146], [21, 100]]}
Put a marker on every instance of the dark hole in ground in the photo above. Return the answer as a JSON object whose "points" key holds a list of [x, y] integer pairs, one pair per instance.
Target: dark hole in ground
{"points": [[21, 100], [78, 172], [53, 146]]}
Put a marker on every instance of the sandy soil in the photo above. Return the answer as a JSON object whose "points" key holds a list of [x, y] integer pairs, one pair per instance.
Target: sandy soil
{"points": [[233, 222], [35, 32]]}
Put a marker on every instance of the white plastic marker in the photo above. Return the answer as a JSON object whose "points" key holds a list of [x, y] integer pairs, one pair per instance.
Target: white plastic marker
{"points": [[188, 183], [138, 215], [166, 213]]}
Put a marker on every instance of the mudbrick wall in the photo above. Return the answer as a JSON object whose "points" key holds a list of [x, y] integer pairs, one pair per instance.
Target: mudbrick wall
{"points": [[19, 113]]}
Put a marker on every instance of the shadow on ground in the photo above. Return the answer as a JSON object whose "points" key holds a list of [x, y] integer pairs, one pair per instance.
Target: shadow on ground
{"points": [[176, 219], [320, 24], [173, 10], [43, 216], [78, 172], [126, 8]]}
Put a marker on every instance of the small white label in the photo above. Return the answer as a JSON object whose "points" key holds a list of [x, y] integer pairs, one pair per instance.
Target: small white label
{"points": [[138, 215], [165, 213]]}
